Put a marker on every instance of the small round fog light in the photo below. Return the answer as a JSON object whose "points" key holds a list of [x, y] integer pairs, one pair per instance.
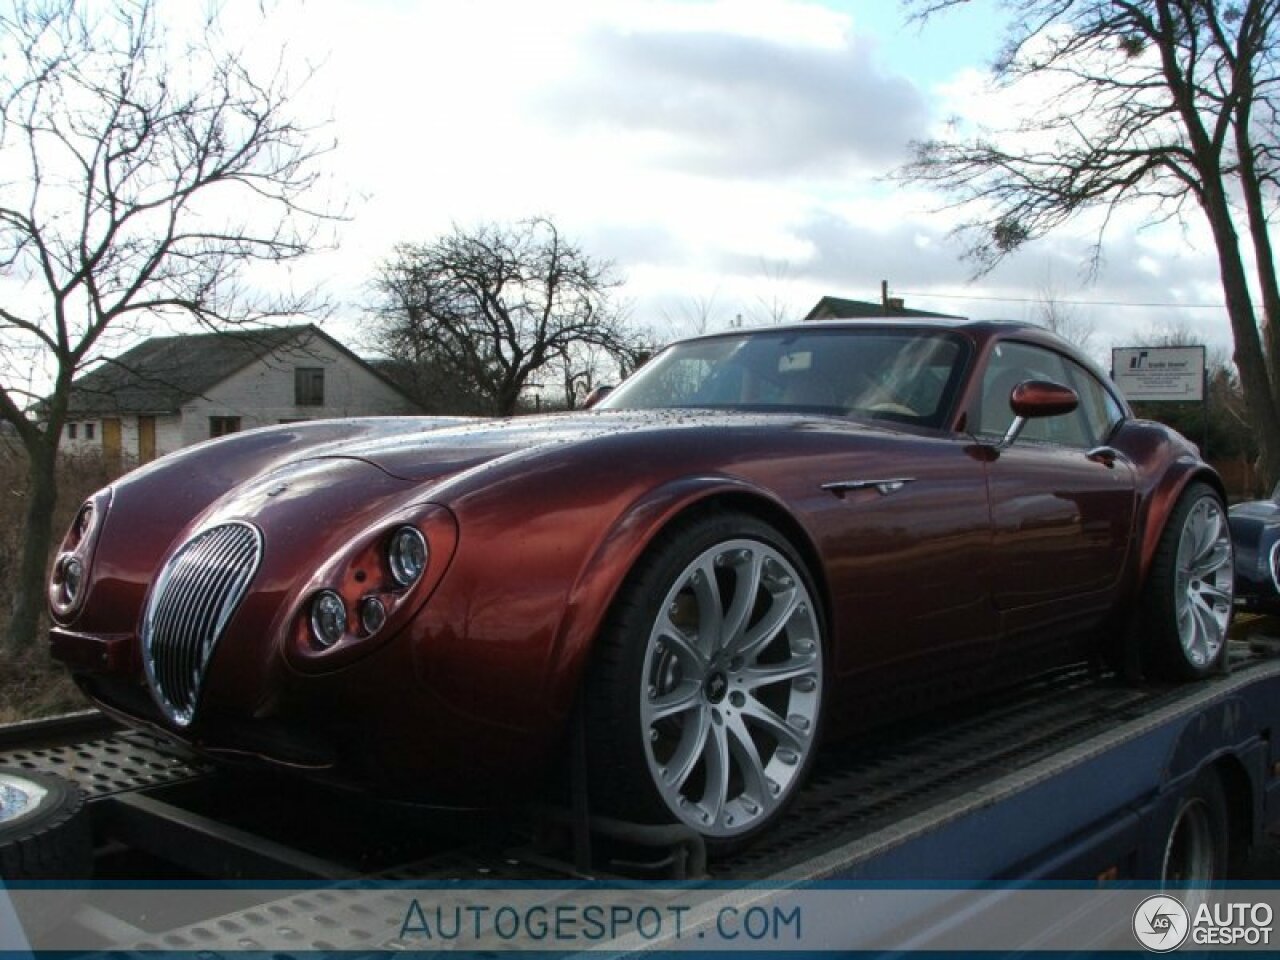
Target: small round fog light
{"points": [[328, 618], [407, 555], [72, 579], [372, 614]]}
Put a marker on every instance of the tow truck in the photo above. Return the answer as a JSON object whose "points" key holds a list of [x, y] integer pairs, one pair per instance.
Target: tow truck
{"points": [[1077, 776]]}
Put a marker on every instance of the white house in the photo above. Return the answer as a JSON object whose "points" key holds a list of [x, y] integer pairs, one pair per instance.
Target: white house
{"points": [[169, 392]]}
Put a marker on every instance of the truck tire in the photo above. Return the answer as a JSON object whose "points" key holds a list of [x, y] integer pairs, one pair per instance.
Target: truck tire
{"points": [[1196, 847], [44, 827]]}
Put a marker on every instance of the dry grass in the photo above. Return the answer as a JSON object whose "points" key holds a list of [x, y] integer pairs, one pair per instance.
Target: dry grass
{"points": [[31, 683]]}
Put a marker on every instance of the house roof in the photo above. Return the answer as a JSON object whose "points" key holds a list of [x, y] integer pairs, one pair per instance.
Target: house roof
{"points": [[160, 374], [838, 308]]}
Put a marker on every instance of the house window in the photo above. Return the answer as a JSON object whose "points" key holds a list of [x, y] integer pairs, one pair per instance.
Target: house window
{"points": [[71, 430], [89, 430], [221, 426], [308, 386]]}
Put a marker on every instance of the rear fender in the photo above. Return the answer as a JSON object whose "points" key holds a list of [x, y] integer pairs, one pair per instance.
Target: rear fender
{"points": [[1161, 502]]}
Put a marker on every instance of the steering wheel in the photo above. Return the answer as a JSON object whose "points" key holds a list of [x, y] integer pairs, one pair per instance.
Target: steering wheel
{"points": [[890, 406]]}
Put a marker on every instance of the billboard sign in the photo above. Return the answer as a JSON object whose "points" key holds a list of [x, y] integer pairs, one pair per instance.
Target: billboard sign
{"points": [[1159, 373]]}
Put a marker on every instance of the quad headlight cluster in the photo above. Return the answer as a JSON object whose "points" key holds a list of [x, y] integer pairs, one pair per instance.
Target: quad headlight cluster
{"points": [[404, 560], [69, 580]]}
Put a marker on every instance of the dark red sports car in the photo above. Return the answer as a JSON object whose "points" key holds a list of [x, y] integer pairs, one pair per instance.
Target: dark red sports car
{"points": [[759, 534]]}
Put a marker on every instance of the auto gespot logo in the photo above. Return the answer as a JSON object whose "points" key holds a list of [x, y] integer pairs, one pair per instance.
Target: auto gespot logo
{"points": [[1162, 924]]}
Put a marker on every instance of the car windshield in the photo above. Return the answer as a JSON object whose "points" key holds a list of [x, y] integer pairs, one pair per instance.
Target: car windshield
{"points": [[908, 376]]}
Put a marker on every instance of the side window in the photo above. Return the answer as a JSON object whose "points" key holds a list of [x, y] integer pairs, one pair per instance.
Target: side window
{"points": [[1100, 409], [1009, 365]]}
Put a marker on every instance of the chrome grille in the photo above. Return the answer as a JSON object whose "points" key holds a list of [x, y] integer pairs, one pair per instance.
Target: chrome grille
{"points": [[197, 592]]}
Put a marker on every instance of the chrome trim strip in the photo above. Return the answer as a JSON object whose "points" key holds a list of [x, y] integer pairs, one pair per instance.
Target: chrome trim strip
{"points": [[883, 487]]}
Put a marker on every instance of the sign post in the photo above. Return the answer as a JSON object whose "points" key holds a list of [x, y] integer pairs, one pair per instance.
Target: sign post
{"points": [[1166, 374]]}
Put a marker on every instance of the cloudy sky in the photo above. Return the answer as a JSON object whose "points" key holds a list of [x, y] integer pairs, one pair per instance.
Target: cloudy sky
{"points": [[729, 155]]}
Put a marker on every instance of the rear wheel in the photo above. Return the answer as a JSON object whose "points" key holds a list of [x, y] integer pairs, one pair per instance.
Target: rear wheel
{"points": [[1187, 599], [705, 696], [1195, 849]]}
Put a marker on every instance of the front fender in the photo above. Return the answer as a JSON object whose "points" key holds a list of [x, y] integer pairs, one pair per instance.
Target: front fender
{"points": [[605, 571]]}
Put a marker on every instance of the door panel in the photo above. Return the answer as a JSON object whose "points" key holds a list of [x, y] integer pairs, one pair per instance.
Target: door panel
{"points": [[111, 442], [146, 439], [908, 567], [1062, 523], [1062, 520]]}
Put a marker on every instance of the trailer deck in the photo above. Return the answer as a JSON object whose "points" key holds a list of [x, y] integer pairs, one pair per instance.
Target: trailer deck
{"points": [[944, 797]]}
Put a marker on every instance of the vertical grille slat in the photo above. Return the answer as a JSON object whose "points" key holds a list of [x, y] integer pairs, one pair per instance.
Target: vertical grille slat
{"points": [[204, 616], [186, 653], [236, 586], [190, 605], [179, 592]]}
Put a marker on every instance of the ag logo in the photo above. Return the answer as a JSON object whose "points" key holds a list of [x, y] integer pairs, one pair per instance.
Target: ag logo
{"points": [[1161, 923]]}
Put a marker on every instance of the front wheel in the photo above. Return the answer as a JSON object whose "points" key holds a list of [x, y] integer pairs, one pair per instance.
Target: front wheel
{"points": [[1187, 599], [705, 697]]}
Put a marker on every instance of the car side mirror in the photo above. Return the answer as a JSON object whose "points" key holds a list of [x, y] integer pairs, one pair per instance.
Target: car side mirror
{"points": [[1033, 399], [596, 395]]}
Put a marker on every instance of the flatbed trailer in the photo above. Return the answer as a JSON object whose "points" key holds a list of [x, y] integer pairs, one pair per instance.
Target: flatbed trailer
{"points": [[1074, 776]]}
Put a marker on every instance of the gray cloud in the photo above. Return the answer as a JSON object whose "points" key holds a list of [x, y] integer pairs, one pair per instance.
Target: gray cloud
{"points": [[917, 255], [851, 258], [630, 245], [742, 106]]}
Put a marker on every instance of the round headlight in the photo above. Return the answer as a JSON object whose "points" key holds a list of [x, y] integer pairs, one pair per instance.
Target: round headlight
{"points": [[328, 618], [407, 555], [72, 579], [372, 614]]}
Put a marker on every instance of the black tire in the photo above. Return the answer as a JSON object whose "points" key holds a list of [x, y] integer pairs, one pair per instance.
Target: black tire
{"points": [[1165, 655], [622, 747], [46, 837], [1196, 849]]}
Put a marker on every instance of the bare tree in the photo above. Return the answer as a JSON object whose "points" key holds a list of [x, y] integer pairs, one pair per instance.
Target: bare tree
{"points": [[493, 306], [1065, 319], [429, 381], [694, 316], [140, 180], [580, 369], [772, 305], [1170, 103]]}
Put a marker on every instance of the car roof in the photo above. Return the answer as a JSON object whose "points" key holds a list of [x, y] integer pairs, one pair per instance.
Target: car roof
{"points": [[978, 329]]}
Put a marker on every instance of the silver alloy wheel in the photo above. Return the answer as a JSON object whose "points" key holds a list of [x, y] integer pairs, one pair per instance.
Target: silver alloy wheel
{"points": [[1204, 586], [19, 797], [732, 687]]}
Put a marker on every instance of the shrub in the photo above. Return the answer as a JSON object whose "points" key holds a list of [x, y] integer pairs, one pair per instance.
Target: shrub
{"points": [[31, 683]]}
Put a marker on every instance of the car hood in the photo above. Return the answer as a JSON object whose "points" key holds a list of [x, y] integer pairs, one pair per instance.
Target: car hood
{"points": [[433, 454], [1266, 510]]}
